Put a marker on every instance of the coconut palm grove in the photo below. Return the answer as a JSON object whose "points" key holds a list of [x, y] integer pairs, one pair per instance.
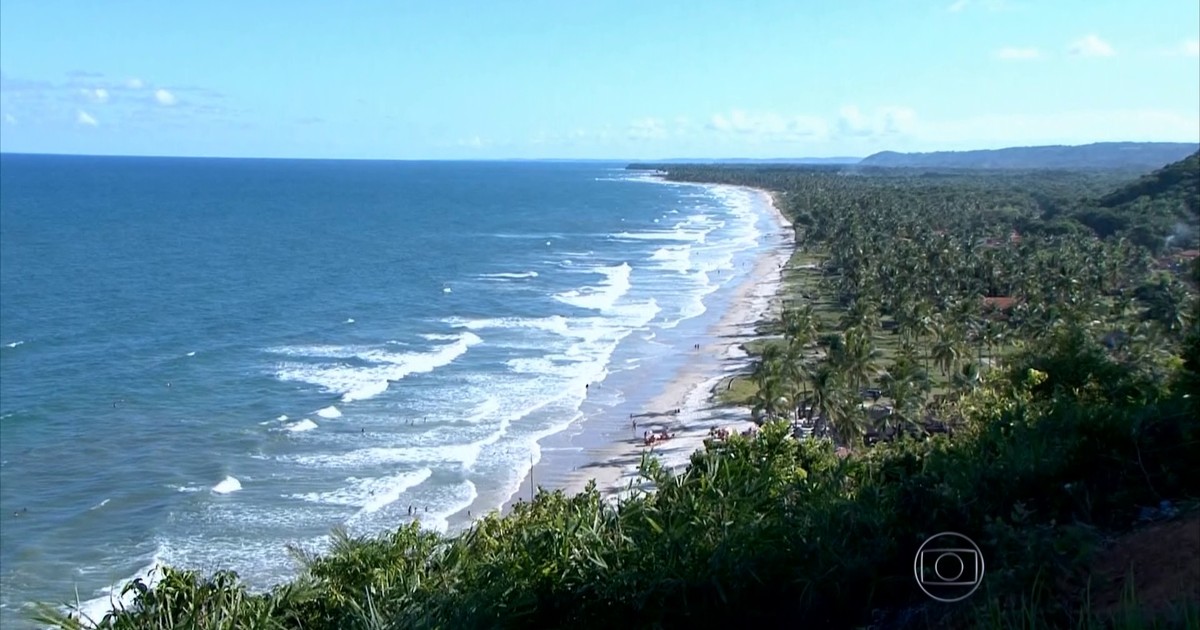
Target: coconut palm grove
{"points": [[1012, 354]]}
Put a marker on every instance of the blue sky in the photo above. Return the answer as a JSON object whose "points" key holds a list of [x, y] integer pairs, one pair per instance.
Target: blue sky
{"points": [[577, 79]]}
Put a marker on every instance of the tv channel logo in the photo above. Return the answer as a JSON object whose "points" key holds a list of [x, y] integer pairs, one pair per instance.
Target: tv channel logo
{"points": [[948, 567]]}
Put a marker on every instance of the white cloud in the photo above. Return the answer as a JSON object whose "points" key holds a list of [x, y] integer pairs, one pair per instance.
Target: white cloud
{"points": [[10, 119], [1017, 54], [97, 95], [164, 97], [883, 121], [85, 118], [135, 84], [1092, 46], [647, 129], [990, 5], [474, 142], [768, 125], [1190, 48]]}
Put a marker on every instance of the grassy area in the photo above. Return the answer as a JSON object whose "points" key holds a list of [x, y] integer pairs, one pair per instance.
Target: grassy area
{"points": [[736, 390]]}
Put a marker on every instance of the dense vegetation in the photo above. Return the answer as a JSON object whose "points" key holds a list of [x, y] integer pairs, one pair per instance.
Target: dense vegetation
{"points": [[1043, 423], [1101, 155]]}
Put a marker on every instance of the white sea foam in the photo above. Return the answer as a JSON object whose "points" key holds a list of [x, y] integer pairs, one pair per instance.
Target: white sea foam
{"points": [[484, 410], [100, 504], [367, 390], [227, 485], [554, 323], [678, 234], [615, 285], [361, 382], [350, 320], [674, 258], [511, 275], [301, 426], [457, 498], [94, 610], [388, 455], [14, 344], [192, 353], [369, 494], [330, 412], [446, 290]]}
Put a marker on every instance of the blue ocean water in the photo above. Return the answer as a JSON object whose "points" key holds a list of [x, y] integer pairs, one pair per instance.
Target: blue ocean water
{"points": [[202, 359]]}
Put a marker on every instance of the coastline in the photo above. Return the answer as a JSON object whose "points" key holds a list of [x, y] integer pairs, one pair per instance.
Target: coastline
{"points": [[614, 465]]}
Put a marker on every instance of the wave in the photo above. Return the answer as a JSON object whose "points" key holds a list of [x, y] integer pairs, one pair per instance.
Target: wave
{"points": [[615, 285], [106, 599], [301, 426], [458, 498], [675, 258], [330, 412], [227, 485], [554, 323], [14, 344], [369, 494], [511, 275], [349, 320], [356, 383], [677, 234], [191, 354], [374, 456]]}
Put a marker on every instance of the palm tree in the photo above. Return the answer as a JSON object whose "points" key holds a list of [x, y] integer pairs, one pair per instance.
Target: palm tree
{"points": [[967, 378], [770, 397], [857, 360], [799, 325], [947, 350], [826, 389]]}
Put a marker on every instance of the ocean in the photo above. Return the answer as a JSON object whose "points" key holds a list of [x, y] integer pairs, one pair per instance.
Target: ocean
{"points": [[204, 359]]}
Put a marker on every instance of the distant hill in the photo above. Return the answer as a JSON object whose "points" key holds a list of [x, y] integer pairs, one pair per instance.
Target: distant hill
{"points": [[1158, 211], [800, 160], [1178, 182], [1101, 155]]}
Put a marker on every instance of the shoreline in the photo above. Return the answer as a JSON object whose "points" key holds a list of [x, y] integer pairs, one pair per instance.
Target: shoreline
{"points": [[691, 390]]}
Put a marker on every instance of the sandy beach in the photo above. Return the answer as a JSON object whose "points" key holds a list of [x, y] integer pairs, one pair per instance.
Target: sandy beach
{"points": [[615, 465]]}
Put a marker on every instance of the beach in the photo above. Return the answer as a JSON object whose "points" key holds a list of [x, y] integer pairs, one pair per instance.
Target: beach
{"points": [[369, 383], [614, 465]]}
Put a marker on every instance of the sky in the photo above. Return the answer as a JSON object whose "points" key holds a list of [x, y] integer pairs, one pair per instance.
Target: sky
{"points": [[467, 79]]}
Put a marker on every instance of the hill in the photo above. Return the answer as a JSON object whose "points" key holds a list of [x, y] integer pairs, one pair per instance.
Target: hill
{"points": [[1157, 211], [1178, 182], [1100, 155]]}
